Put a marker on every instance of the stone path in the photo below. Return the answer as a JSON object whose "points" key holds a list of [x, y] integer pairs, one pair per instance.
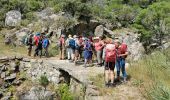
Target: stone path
{"points": [[120, 92], [79, 72]]}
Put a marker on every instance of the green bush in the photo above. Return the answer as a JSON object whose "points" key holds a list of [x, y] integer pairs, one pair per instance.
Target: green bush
{"points": [[53, 50], [64, 92], [43, 81]]}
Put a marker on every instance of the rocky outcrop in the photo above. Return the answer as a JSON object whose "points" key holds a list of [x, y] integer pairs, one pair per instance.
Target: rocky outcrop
{"points": [[45, 13], [99, 31], [37, 93], [13, 18]]}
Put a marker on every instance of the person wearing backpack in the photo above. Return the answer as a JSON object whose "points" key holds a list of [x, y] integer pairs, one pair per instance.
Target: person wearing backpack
{"points": [[99, 45], [77, 48], [29, 43], [87, 52], [122, 53], [62, 47], [70, 55], [45, 44], [110, 59], [36, 41], [40, 47]]}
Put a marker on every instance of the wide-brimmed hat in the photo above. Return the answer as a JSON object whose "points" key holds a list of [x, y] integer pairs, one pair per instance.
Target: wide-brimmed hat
{"points": [[96, 38], [69, 35], [63, 35], [75, 36]]}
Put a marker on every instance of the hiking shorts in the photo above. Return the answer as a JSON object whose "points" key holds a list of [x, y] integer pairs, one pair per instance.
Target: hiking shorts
{"points": [[110, 66]]}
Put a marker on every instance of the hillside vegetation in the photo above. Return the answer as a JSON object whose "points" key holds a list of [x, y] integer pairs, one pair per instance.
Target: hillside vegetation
{"points": [[150, 17]]}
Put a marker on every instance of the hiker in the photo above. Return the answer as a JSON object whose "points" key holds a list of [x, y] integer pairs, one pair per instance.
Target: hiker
{"points": [[77, 48], [122, 53], [87, 52], [62, 46], [70, 54], [104, 53], [81, 47], [45, 44], [36, 40], [29, 43], [40, 47], [99, 44], [110, 59]]}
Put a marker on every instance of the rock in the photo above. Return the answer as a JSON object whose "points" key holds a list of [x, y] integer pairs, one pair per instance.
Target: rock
{"points": [[8, 94], [21, 34], [166, 45], [6, 98], [1, 94], [3, 75], [16, 82], [99, 31], [37, 93], [12, 66], [11, 77], [92, 91], [26, 60], [13, 18], [4, 68], [44, 14], [1, 82]]}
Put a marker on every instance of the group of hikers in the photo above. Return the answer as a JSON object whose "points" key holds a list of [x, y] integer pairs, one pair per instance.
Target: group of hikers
{"points": [[109, 53], [40, 41]]}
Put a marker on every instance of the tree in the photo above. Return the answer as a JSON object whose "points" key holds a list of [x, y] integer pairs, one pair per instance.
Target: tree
{"points": [[154, 22]]}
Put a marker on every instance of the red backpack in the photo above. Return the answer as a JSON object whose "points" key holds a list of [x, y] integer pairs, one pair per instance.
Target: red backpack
{"points": [[123, 49], [110, 55]]}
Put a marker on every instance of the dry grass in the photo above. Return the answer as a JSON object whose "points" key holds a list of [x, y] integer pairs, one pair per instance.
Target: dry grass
{"points": [[151, 75], [10, 50]]}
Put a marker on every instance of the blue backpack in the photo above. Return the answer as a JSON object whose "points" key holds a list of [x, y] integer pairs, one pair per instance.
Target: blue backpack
{"points": [[88, 46], [72, 43]]}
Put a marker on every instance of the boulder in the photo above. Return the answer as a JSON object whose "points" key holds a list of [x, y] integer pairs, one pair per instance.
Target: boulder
{"points": [[99, 31], [44, 14], [13, 18], [3, 75], [11, 77], [21, 34], [37, 93], [92, 91]]}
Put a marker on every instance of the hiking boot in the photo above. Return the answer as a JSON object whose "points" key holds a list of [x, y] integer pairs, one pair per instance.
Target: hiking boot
{"points": [[107, 85], [125, 80], [112, 85]]}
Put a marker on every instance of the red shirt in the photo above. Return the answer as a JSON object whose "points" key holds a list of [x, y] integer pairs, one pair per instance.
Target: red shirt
{"points": [[98, 46], [62, 40]]}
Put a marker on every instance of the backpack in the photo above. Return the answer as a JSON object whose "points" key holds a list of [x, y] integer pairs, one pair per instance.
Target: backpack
{"points": [[123, 49], [26, 42], [110, 55], [45, 43], [72, 43], [77, 44], [88, 46]]}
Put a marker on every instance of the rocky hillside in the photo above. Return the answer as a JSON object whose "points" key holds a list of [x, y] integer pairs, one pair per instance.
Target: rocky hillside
{"points": [[149, 18]]}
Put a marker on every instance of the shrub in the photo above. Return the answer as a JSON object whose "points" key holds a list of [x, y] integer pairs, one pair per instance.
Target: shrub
{"points": [[64, 92], [43, 81], [53, 50]]}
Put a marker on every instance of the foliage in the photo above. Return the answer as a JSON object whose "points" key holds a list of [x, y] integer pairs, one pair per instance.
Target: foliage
{"points": [[64, 92], [53, 50], [154, 21], [43, 80], [152, 75]]}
